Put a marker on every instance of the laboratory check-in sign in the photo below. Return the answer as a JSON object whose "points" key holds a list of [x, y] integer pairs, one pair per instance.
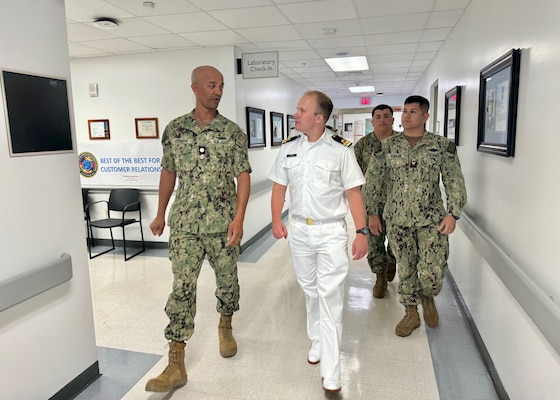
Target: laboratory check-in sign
{"points": [[259, 65]]}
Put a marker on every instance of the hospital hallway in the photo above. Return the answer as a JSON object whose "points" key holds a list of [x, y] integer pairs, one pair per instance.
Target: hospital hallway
{"points": [[270, 329]]}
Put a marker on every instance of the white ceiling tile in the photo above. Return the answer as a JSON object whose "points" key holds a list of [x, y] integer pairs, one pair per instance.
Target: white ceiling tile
{"points": [[432, 35], [352, 52], [250, 17], [384, 58], [169, 41], [80, 50], [444, 19], [82, 32], [375, 8], [394, 49], [394, 38], [426, 55], [190, 22], [429, 46], [216, 38], [399, 23], [130, 27], [451, 4], [341, 29], [270, 34], [228, 4], [340, 42], [85, 10], [116, 45], [166, 7], [283, 46], [319, 11]]}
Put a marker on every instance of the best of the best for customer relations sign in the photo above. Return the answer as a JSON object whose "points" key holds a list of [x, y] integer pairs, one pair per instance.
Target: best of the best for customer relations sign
{"points": [[259, 65]]}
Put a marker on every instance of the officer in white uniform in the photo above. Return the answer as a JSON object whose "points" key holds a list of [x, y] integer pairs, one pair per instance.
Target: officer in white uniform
{"points": [[324, 179]]}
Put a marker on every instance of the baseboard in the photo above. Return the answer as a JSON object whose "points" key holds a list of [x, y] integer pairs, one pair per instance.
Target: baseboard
{"points": [[482, 350], [79, 383]]}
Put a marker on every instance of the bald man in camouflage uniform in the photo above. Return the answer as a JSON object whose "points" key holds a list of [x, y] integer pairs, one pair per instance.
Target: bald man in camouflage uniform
{"points": [[407, 168], [206, 152], [381, 261]]}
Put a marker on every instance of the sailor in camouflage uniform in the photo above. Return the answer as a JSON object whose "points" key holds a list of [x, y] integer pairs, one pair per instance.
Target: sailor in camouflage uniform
{"points": [[406, 168], [206, 152], [381, 261], [325, 180]]}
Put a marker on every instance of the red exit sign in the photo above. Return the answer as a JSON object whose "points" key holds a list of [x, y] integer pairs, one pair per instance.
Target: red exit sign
{"points": [[365, 101]]}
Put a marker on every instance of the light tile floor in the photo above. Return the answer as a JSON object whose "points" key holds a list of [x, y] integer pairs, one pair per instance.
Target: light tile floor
{"points": [[129, 297]]}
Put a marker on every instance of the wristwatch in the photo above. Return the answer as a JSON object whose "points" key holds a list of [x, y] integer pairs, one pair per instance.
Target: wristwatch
{"points": [[363, 231]]}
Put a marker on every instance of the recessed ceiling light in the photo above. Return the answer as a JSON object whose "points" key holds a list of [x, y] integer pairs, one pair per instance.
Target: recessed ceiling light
{"points": [[348, 63], [106, 23], [361, 89]]}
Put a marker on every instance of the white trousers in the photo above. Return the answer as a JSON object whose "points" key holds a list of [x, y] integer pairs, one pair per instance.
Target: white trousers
{"points": [[320, 259]]}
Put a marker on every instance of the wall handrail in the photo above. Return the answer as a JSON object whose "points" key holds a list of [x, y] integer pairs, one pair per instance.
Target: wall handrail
{"points": [[540, 307], [28, 284]]}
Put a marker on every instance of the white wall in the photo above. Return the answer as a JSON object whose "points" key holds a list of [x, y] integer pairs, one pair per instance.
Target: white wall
{"points": [[158, 85], [512, 199], [48, 340]]}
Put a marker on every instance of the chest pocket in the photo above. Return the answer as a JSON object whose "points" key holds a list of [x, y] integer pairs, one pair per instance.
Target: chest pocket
{"points": [[220, 151], [326, 174], [431, 164], [294, 170], [397, 165], [184, 154]]}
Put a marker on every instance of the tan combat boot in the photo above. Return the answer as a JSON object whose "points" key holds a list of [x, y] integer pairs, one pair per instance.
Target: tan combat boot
{"points": [[391, 271], [228, 347], [431, 315], [410, 322], [380, 287], [175, 374]]}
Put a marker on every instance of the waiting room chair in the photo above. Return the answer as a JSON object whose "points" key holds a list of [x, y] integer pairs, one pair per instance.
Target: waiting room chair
{"points": [[85, 200], [123, 201]]}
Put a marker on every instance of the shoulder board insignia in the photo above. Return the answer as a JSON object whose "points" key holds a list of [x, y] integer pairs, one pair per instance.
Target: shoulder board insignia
{"points": [[331, 128], [341, 140], [289, 139], [451, 148]]}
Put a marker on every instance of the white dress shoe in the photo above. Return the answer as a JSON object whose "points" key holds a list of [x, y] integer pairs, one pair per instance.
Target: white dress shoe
{"points": [[331, 385], [314, 355]]}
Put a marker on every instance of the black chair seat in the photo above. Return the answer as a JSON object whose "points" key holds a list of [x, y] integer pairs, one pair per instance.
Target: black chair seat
{"points": [[111, 223], [123, 201]]}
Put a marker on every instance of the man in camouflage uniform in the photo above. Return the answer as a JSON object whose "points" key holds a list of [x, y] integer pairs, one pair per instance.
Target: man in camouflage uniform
{"points": [[406, 168], [381, 262], [206, 152]]}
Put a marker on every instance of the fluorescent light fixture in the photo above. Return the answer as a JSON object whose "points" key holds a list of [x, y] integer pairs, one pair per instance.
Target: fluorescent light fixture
{"points": [[361, 89], [342, 64]]}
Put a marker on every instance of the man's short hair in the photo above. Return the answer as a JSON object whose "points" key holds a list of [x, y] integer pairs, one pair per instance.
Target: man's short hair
{"points": [[422, 101], [382, 107], [324, 103]]}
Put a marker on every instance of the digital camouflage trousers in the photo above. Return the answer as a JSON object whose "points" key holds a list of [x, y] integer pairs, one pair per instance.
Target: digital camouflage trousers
{"points": [[187, 253]]}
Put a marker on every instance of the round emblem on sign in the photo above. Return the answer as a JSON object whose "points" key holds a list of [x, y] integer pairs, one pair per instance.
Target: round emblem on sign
{"points": [[88, 164]]}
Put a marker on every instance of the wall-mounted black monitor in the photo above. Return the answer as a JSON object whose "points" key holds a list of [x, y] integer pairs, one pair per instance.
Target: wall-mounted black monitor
{"points": [[37, 114]]}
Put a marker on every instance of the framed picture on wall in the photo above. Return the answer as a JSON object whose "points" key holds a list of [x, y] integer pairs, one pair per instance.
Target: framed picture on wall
{"points": [[290, 125], [255, 127], [146, 128], [99, 129], [452, 114], [276, 128], [497, 105]]}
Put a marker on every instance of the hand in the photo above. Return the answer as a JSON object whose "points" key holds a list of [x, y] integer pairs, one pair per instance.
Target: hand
{"points": [[447, 226], [359, 246], [279, 230], [375, 226], [157, 225], [234, 233]]}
